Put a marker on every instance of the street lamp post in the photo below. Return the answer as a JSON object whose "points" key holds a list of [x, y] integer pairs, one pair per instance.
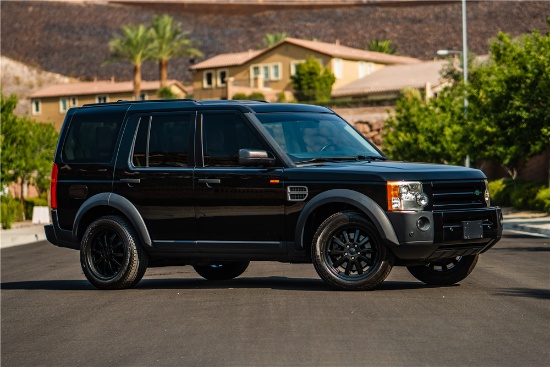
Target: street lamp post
{"points": [[464, 53]]}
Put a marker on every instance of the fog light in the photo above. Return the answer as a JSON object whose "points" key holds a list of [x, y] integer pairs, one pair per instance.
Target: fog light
{"points": [[423, 224]]}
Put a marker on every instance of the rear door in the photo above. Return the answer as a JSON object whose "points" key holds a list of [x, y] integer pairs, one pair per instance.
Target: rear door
{"points": [[156, 174]]}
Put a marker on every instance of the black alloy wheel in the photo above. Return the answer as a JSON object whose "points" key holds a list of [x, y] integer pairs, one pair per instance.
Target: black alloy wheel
{"points": [[110, 254], [348, 253], [445, 271]]}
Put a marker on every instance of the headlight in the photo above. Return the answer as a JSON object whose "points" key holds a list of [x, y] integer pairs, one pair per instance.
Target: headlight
{"points": [[406, 195], [487, 196]]}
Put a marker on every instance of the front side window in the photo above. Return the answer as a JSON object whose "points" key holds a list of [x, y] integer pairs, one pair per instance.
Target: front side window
{"points": [[162, 141], [224, 134]]}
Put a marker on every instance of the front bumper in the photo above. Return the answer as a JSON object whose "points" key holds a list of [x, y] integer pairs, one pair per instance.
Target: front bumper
{"points": [[447, 235]]}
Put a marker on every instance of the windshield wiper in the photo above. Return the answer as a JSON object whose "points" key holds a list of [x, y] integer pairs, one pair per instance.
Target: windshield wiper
{"points": [[371, 158]]}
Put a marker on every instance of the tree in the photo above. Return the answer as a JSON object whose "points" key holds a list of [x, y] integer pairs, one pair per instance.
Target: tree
{"points": [[510, 100], [384, 46], [135, 45], [170, 41], [27, 148], [312, 82], [272, 38], [427, 131]]}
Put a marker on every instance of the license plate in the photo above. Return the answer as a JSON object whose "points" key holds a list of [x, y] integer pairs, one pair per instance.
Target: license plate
{"points": [[472, 229]]}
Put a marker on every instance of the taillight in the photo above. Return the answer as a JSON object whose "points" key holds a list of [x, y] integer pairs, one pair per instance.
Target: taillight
{"points": [[53, 187]]}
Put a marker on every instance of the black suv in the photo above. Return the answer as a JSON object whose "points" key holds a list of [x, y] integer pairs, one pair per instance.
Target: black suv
{"points": [[217, 184]]}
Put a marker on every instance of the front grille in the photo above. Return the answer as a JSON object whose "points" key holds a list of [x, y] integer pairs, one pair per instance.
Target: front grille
{"points": [[458, 195]]}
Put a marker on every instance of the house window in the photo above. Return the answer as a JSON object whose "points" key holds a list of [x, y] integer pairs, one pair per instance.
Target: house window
{"points": [[63, 104], [362, 69], [36, 107], [143, 96], [208, 79], [222, 76], [101, 99], [293, 66], [338, 69], [271, 71], [74, 101]]}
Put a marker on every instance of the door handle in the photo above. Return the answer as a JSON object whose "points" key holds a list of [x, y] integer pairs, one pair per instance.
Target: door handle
{"points": [[130, 180], [209, 181]]}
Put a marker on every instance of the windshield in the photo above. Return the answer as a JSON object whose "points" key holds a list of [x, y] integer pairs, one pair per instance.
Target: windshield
{"points": [[317, 136]]}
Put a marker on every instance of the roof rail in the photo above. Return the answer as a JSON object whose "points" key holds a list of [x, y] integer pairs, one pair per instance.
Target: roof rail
{"points": [[123, 101]]}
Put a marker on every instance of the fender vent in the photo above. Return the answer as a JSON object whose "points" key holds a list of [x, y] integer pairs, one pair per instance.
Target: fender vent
{"points": [[296, 193]]}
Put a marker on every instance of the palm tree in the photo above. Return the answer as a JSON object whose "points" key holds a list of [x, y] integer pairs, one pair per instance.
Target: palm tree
{"points": [[272, 38], [170, 41], [134, 46], [383, 46]]}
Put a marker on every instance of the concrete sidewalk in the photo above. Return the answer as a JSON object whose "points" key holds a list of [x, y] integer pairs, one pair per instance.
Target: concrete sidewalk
{"points": [[520, 221], [22, 233]]}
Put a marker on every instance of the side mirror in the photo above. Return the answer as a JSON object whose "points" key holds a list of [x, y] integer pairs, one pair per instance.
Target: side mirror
{"points": [[251, 158]]}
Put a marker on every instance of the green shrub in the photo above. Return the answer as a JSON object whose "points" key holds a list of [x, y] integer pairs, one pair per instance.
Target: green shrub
{"points": [[30, 203], [166, 93], [257, 96], [239, 96], [500, 192], [542, 200], [520, 194], [11, 211]]}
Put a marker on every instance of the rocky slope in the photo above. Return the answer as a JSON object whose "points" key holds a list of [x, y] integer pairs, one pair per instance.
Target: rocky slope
{"points": [[71, 38]]}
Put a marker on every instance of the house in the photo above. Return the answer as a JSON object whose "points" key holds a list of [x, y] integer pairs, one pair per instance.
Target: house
{"points": [[269, 70], [389, 81], [51, 103]]}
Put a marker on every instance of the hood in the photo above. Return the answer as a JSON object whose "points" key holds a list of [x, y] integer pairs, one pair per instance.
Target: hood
{"points": [[390, 171]]}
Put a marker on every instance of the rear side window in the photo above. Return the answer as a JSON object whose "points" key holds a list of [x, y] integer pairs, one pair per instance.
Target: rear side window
{"points": [[162, 141], [92, 136]]}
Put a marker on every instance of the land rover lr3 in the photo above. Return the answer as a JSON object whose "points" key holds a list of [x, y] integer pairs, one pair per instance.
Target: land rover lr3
{"points": [[217, 184]]}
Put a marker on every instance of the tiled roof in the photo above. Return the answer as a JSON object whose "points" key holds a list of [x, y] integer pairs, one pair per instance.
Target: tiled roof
{"points": [[345, 52], [99, 87], [394, 78], [223, 60], [331, 49]]}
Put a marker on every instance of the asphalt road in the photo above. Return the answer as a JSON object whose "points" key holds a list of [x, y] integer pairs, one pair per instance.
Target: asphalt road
{"points": [[276, 315]]}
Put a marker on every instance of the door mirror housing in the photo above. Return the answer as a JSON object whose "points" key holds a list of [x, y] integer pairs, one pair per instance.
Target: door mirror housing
{"points": [[251, 158]]}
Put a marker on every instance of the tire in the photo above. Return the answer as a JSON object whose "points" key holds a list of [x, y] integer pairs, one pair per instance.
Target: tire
{"points": [[446, 271], [222, 271], [110, 254], [347, 253]]}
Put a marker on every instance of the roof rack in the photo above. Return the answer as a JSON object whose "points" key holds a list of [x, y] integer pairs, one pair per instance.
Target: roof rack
{"points": [[205, 102]]}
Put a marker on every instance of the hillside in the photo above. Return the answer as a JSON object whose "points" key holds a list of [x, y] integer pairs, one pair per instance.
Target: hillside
{"points": [[71, 38]]}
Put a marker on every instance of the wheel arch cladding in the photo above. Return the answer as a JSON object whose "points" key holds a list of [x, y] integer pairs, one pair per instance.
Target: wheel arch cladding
{"points": [[362, 202], [119, 203]]}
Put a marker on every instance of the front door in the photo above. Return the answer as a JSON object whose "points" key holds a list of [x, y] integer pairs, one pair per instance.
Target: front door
{"points": [[238, 209]]}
